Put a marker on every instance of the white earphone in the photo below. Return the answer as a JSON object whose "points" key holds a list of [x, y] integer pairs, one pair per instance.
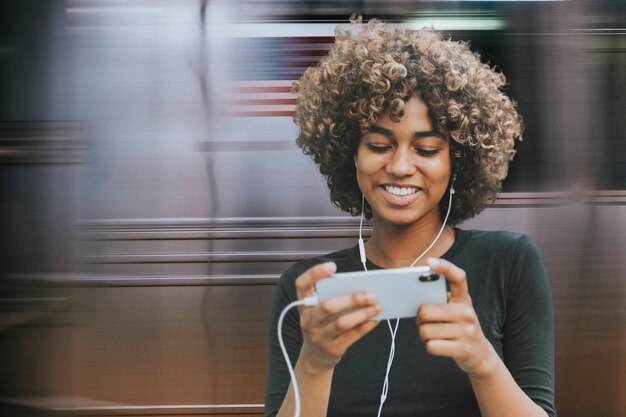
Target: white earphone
{"points": [[313, 300], [394, 330]]}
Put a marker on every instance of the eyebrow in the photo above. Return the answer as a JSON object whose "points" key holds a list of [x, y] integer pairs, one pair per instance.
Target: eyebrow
{"points": [[417, 135]]}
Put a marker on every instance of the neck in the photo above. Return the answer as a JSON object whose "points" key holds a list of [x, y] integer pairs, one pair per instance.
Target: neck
{"points": [[393, 246]]}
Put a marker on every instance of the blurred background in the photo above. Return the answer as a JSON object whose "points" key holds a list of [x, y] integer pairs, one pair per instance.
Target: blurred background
{"points": [[151, 192]]}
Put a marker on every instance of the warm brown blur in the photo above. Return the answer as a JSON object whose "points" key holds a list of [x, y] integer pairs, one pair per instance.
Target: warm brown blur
{"points": [[151, 192]]}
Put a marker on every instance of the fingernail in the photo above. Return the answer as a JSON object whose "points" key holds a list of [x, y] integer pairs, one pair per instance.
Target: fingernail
{"points": [[329, 266], [370, 296], [433, 262]]}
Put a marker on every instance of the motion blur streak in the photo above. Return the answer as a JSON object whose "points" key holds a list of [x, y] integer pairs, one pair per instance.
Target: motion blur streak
{"points": [[151, 192]]}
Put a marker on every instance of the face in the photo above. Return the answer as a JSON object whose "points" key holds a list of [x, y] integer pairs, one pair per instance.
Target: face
{"points": [[403, 167]]}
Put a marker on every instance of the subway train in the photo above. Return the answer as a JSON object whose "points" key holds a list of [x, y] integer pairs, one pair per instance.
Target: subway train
{"points": [[152, 193]]}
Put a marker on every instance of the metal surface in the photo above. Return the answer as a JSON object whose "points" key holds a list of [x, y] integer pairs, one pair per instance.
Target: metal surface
{"points": [[151, 193]]}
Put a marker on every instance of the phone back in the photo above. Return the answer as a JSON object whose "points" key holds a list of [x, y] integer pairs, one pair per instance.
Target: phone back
{"points": [[400, 291]]}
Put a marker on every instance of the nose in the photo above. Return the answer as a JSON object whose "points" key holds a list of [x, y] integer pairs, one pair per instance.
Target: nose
{"points": [[400, 163]]}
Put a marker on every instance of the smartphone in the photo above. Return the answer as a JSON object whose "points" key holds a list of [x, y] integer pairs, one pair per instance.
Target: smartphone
{"points": [[399, 290]]}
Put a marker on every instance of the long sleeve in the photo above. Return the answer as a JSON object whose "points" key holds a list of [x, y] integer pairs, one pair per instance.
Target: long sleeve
{"points": [[278, 375], [528, 340]]}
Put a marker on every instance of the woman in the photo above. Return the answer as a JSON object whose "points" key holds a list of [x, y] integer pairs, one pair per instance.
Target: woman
{"points": [[393, 118]]}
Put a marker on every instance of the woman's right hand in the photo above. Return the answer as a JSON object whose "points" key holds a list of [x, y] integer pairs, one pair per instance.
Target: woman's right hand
{"points": [[327, 338]]}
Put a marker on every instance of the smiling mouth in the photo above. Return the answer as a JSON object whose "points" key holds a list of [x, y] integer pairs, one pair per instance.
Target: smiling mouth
{"points": [[401, 191]]}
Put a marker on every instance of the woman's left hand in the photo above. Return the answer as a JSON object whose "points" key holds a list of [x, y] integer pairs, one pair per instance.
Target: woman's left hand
{"points": [[453, 329]]}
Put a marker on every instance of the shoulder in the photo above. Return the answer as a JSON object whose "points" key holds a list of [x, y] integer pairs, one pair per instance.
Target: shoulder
{"points": [[497, 243], [498, 237], [514, 257], [502, 253]]}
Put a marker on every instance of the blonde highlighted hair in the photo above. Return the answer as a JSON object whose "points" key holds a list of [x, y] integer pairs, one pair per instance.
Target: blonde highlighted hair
{"points": [[375, 68]]}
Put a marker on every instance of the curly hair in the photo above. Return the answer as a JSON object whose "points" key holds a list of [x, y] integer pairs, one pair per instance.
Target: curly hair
{"points": [[374, 68]]}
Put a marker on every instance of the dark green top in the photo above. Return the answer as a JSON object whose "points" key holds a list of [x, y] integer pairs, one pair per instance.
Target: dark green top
{"points": [[510, 291]]}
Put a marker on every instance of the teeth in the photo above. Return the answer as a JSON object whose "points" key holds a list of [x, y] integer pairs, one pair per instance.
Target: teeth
{"points": [[400, 190]]}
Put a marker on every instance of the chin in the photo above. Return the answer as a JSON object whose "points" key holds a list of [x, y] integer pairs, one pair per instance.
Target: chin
{"points": [[400, 220], [407, 217]]}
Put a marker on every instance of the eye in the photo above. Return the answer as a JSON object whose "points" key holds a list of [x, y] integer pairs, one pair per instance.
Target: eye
{"points": [[378, 148], [426, 152]]}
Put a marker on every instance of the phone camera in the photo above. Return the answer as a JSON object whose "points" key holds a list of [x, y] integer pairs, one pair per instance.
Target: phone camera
{"points": [[429, 277]]}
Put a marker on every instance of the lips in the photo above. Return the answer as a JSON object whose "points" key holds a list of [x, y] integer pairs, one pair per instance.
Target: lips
{"points": [[399, 195]]}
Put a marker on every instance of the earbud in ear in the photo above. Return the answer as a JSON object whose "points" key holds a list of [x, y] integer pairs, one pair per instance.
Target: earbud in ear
{"points": [[452, 183]]}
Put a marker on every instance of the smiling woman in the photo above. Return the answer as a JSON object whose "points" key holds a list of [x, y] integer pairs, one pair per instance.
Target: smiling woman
{"points": [[376, 69], [403, 167], [400, 122]]}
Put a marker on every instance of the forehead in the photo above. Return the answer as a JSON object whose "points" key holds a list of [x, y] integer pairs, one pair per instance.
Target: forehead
{"points": [[416, 117]]}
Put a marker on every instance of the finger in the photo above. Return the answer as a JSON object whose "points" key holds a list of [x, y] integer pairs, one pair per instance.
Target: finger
{"points": [[347, 339], [340, 303], [335, 305], [348, 321], [454, 312], [450, 348], [305, 284], [450, 331], [456, 276]]}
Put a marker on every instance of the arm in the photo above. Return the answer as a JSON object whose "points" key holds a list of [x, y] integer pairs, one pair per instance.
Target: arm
{"points": [[315, 342], [499, 395], [453, 330]]}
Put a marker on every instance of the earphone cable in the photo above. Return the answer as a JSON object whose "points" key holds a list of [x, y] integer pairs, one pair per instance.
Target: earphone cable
{"points": [[392, 353], [312, 300], [294, 382], [383, 396], [443, 226]]}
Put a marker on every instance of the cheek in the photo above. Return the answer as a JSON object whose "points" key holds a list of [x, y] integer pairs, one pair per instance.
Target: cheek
{"points": [[439, 175], [367, 166], [439, 168], [445, 166], [367, 176], [362, 178]]}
